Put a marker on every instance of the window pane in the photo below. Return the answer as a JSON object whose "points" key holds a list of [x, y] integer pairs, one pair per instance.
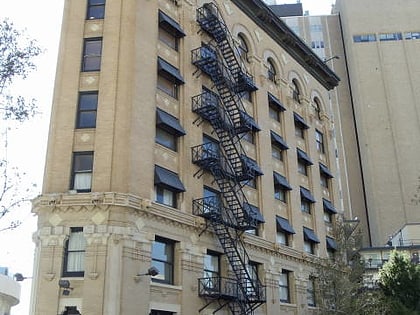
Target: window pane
{"points": [[83, 162], [281, 238], [162, 259], [92, 55], [166, 139], [88, 101], [87, 119], [82, 181], [167, 86], [75, 261], [168, 38]]}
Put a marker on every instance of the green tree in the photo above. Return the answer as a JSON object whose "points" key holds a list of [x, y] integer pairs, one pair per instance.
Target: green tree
{"points": [[340, 279], [17, 53], [399, 279]]}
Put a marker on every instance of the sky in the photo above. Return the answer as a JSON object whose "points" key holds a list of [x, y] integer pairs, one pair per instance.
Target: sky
{"points": [[42, 21]]}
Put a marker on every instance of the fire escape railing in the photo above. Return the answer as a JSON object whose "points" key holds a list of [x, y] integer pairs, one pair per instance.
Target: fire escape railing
{"points": [[227, 162]]}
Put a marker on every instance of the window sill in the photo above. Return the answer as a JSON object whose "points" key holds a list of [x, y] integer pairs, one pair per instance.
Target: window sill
{"points": [[166, 286]]}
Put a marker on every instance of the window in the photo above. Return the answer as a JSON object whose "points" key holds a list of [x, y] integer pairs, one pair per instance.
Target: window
{"points": [[92, 51], [319, 138], [317, 108], [309, 240], [281, 186], [275, 107], [306, 200], [212, 270], [86, 114], [70, 310], [81, 179], [390, 36], [242, 48], [310, 292], [163, 259], [210, 147], [74, 254], [325, 175], [278, 145], [412, 35], [167, 186], [331, 247], [316, 44], [303, 162], [284, 231], [169, 78], [168, 129], [254, 217], [271, 71], [159, 312], [295, 91], [252, 268], [329, 210], [284, 286], [212, 202], [169, 31], [300, 126], [249, 137], [364, 38], [95, 9]]}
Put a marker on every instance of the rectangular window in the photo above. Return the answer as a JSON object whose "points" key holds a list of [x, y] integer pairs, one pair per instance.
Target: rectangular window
{"points": [[165, 196], [284, 231], [390, 36], [163, 251], [327, 217], [319, 138], [92, 53], [302, 168], [86, 113], [168, 38], [167, 86], [252, 268], [310, 292], [166, 139], [284, 286], [212, 270], [364, 38], [81, 179], [159, 312], [412, 35], [308, 247], [249, 137], [305, 206], [324, 180], [280, 193], [276, 152], [74, 254], [299, 132], [95, 9], [273, 113]]}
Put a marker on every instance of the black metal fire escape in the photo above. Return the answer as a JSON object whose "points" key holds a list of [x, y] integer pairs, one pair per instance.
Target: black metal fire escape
{"points": [[230, 215]]}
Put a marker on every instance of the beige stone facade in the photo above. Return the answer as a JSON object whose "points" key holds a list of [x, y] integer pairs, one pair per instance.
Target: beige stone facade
{"points": [[119, 179]]}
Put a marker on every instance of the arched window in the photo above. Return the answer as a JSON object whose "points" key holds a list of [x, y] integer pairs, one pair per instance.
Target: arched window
{"points": [[317, 108], [296, 90], [242, 48], [271, 71]]}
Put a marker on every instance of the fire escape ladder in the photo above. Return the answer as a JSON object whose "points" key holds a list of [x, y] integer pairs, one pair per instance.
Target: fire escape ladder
{"points": [[229, 214]]}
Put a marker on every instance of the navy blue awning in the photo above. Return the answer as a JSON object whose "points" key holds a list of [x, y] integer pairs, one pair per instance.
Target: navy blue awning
{"points": [[328, 206], [253, 212], [272, 100], [168, 178], [284, 225], [300, 121], [248, 119], [278, 140], [252, 164], [331, 243], [304, 157], [169, 122], [309, 235], [281, 181], [324, 170], [170, 71], [170, 25], [306, 194]]}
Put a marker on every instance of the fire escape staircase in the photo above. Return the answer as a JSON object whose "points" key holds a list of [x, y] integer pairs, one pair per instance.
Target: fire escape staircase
{"points": [[230, 215]]}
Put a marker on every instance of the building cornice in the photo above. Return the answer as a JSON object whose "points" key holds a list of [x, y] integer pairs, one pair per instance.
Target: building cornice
{"points": [[289, 41]]}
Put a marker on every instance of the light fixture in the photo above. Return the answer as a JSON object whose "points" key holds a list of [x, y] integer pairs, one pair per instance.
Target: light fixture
{"points": [[331, 58], [65, 285], [19, 277], [152, 271]]}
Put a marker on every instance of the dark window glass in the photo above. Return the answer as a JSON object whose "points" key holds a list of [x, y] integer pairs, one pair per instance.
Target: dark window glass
{"points": [[319, 137], [95, 9], [295, 91], [92, 51], [82, 171], [163, 260], [165, 196], [271, 71], [86, 116], [166, 139], [159, 312], [284, 286], [310, 292]]}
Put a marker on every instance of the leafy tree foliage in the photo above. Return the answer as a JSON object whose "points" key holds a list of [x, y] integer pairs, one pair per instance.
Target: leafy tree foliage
{"points": [[340, 279], [399, 279], [17, 53]]}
